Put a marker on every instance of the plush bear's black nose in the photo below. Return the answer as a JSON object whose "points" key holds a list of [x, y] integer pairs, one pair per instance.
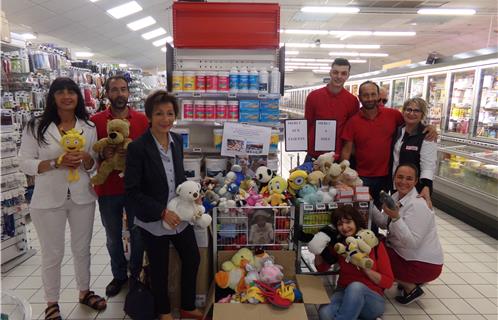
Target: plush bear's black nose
{"points": [[195, 194], [113, 135]]}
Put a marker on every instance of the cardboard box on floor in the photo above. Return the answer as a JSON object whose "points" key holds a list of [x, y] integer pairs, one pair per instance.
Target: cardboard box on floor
{"points": [[311, 287]]}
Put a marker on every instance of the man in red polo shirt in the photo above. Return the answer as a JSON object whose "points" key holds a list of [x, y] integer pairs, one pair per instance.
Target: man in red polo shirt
{"points": [[331, 102], [111, 193]]}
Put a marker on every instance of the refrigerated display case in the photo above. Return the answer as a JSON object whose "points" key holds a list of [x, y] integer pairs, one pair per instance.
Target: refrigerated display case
{"points": [[416, 88], [487, 108], [436, 98], [398, 93], [461, 102], [354, 89], [387, 86]]}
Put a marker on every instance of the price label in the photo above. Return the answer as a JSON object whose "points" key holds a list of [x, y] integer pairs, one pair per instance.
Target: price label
{"points": [[296, 135]]}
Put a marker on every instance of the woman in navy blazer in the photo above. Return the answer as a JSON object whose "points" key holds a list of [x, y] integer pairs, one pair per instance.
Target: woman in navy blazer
{"points": [[154, 168]]}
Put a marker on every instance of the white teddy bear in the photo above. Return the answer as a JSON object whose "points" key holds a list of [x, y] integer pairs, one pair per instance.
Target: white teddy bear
{"points": [[185, 207]]}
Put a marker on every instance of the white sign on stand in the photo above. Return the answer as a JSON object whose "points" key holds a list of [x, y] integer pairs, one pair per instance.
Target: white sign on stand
{"points": [[296, 135], [242, 139], [325, 133]]}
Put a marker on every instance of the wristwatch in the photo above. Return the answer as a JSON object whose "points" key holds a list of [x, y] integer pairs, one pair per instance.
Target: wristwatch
{"points": [[53, 164]]}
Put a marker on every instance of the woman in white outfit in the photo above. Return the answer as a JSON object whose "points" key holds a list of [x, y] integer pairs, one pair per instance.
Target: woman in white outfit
{"points": [[55, 199]]}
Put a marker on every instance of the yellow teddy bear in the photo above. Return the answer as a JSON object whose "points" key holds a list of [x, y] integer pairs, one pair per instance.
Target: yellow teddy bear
{"points": [[357, 248], [72, 141], [118, 131]]}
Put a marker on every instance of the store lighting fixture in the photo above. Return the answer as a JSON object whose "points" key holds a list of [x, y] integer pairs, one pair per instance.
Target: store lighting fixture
{"points": [[160, 42], [141, 23], [350, 33], [358, 54], [394, 33], [163, 49], [300, 60], [450, 12], [28, 36], [304, 31], [373, 54], [123, 65], [125, 10], [328, 10], [357, 61], [320, 71], [94, 0], [83, 54], [169, 39], [292, 52], [349, 46], [317, 64], [299, 45], [154, 33]]}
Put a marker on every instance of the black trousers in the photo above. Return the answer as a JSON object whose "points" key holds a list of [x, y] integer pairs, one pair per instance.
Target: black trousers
{"points": [[157, 249]]}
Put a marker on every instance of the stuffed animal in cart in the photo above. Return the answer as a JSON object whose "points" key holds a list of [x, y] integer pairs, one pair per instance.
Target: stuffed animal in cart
{"points": [[71, 141], [324, 161], [322, 239], [308, 195], [185, 206], [276, 188], [296, 181], [271, 273], [118, 131], [350, 178], [357, 248], [315, 178], [263, 176], [233, 272]]}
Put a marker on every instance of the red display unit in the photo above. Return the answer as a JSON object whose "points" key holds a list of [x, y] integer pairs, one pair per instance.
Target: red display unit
{"points": [[222, 25]]}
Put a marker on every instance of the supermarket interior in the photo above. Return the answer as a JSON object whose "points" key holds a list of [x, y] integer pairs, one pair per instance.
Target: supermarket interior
{"points": [[291, 117]]}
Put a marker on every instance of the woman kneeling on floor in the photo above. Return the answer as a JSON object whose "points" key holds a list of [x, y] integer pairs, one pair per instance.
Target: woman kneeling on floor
{"points": [[360, 290], [412, 240]]}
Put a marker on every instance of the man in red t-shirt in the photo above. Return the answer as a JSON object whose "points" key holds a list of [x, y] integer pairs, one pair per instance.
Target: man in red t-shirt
{"points": [[331, 102], [111, 193]]}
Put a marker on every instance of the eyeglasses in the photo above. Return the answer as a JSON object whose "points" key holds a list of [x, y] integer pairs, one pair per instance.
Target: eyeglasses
{"points": [[410, 110], [384, 101]]}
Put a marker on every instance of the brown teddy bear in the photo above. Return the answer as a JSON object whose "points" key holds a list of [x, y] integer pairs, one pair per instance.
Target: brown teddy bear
{"points": [[118, 131]]}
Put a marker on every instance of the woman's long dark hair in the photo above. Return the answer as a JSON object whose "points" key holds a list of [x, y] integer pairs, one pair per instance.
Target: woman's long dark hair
{"points": [[50, 113]]}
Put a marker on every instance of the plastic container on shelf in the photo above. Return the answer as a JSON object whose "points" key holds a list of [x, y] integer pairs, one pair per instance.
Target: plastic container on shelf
{"points": [[192, 167], [275, 81], [185, 134], [189, 81], [223, 81], [234, 80], [199, 110], [221, 110], [233, 111], [211, 81], [200, 81], [216, 165], [188, 109], [177, 81], [217, 139], [243, 80], [253, 81], [263, 81], [210, 110]]}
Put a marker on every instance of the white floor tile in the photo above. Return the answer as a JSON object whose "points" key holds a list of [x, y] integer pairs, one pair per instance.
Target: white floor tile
{"points": [[491, 316], [417, 317], [483, 305], [485, 257], [470, 317], [459, 306], [491, 277], [433, 306], [488, 290], [441, 291], [443, 317], [478, 267], [32, 282], [465, 291], [113, 311], [412, 308], [392, 317], [475, 278], [24, 293], [457, 267], [11, 282], [452, 278], [82, 312], [469, 248]]}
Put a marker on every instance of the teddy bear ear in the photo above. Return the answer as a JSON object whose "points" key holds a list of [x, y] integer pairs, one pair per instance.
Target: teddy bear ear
{"points": [[179, 189]]}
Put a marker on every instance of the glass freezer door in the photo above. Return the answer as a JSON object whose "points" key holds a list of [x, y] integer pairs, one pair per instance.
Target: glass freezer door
{"points": [[436, 99], [387, 86], [398, 93], [416, 87], [487, 117], [461, 100]]}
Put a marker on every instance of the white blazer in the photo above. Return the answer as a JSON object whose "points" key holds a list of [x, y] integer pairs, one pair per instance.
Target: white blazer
{"points": [[51, 186]]}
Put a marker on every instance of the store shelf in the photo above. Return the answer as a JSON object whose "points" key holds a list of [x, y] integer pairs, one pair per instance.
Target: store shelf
{"points": [[226, 95], [201, 149], [220, 123]]}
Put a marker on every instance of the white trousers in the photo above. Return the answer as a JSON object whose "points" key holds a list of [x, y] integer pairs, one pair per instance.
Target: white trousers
{"points": [[50, 225]]}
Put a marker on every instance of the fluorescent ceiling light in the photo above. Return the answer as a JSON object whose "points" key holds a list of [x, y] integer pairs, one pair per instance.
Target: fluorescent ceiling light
{"points": [[303, 31], [299, 45], [363, 46], [154, 33], [319, 71], [351, 33], [125, 10], [372, 54], [169, 39], [163, 49], [28, 36], [318, 64], [141, 23], [292, 52], [344, 54], [330, 9], [455, 12], [123, 65], [357, 61], [83, 54], [160, 42], [301, 59], [94, 0], [394, 33], [332, 46]]}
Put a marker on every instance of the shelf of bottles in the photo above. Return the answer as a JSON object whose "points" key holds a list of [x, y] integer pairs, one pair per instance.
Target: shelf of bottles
{"points": [[461, 102], [487, 120], [436, 99]]}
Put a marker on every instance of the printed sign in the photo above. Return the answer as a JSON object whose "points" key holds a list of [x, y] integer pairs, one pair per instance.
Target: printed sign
{"points": [[296, 135], [325, 133]]}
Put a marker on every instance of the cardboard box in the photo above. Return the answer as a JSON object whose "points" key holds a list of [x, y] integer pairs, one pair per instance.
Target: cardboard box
{"points": [[361, 193], [269, 106], [204, 278], [311, 287]]}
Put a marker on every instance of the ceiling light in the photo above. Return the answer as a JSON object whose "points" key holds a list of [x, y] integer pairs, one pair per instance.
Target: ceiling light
{"points": [[363, 46], [301, 59], [332, 46], [344, 54], [160, 42], [154, 33], [394, 33], [83, 54], [299, 45], [456, 12], [94, 0], [125, 10], [357, 61], [352, 33], [141, 23], [163, 49], [28, 36], [303, 31], [169, 39], [372, 54], [123, 65], [292, 52], [289, 70], [320, 71], [330, 9]]}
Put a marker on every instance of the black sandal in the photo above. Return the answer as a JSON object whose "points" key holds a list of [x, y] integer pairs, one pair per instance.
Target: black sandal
{"points": [[93, 301], [50, 311]]}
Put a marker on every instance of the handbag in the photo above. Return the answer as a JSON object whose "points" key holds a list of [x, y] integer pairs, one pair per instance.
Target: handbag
{"points": [[139, 302]]}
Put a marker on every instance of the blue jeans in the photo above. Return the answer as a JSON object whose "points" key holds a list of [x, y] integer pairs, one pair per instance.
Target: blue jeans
{"points": [[111, 213], [356, 301]]}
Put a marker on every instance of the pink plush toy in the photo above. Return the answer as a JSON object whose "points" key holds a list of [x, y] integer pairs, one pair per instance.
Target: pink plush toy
{"points": [[255, 199], [271, 273]]}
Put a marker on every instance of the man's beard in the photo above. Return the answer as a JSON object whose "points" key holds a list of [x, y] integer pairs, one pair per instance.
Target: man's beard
{"points": [[369, 106], [119, 103]]}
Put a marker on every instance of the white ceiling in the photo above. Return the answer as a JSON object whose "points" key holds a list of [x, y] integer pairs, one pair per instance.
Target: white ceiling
{"points": [[85, 26]]}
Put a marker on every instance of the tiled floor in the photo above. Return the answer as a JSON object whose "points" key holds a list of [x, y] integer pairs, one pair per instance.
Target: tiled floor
{"points": [[467, 289]]}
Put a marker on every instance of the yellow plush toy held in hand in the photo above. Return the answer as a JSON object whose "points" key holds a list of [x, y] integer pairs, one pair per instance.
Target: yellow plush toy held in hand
{"points": [[118, 131], [357, 248], [72, 141]]}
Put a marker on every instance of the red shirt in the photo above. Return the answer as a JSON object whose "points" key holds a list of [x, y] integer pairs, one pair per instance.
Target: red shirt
{"points": [[372, 140], [350, 273], [321, 104], [114, 185]]}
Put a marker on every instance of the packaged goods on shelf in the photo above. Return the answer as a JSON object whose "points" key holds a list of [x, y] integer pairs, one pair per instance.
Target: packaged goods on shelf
{"points": [[248, 110]]}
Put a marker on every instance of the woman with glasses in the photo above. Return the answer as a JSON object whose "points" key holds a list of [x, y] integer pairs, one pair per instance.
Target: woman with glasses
{"points": [[410, 146]]}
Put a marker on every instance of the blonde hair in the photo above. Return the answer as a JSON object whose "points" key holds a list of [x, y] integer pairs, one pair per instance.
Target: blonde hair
{"points": [[419, 102]]}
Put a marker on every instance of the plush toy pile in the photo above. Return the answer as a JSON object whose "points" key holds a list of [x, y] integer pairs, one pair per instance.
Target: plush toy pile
{"points": [[255, 278]]}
